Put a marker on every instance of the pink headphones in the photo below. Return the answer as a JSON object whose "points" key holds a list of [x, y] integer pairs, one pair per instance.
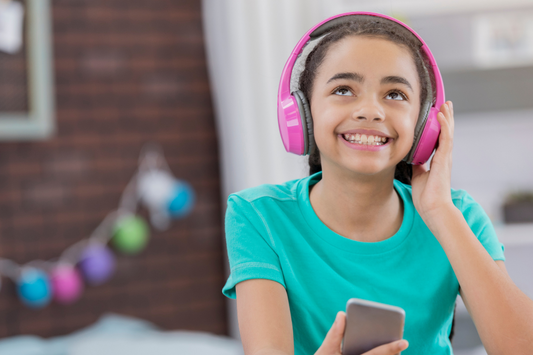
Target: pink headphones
{"points": [[294, 114]]}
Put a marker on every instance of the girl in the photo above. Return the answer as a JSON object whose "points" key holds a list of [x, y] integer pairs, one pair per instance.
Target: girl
{"points": [[365, 224]]}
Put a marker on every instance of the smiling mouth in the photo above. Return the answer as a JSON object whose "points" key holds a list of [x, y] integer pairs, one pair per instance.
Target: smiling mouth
{"points": [[363, 139]]}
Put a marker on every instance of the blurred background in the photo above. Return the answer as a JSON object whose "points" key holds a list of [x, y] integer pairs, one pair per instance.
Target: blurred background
{"points": [[86, 85]]}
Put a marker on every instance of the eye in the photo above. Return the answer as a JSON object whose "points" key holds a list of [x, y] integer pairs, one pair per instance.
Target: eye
{"points": [[342, 91], [397, 95]]}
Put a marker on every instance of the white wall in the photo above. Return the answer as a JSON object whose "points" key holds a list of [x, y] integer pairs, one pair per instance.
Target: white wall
{"points": [[492, 156], [420, 7]]}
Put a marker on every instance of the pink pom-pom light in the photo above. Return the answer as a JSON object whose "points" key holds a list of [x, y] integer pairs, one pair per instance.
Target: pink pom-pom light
{"points": [[67, 284]]}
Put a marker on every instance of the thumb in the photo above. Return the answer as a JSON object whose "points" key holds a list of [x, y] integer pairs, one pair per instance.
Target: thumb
{"points": [[332, 342], [388, 349]]}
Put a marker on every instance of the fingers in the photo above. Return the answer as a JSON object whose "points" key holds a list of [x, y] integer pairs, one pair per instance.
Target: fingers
{"points": [[390, 348], [333, 340], [446, 112], [445, 118]]}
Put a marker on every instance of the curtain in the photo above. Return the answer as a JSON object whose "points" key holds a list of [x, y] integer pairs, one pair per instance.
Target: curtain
{"points": [[247, 44]]}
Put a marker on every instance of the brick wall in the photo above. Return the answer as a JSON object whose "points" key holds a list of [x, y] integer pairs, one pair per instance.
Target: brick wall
{"points": [[126, 72]]}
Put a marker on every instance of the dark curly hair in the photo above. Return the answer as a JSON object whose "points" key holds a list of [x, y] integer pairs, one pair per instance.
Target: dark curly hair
{"points": [[368, 26]]}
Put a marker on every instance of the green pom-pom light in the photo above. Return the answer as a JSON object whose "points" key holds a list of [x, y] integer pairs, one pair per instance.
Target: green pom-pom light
{"points": [[130, 235]]}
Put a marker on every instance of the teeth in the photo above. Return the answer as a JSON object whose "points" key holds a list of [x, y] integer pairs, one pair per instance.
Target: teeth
{"points": [[364, 139]]}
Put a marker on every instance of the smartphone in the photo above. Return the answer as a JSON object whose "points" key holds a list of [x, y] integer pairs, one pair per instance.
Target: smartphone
{"points": [[369, 325]]}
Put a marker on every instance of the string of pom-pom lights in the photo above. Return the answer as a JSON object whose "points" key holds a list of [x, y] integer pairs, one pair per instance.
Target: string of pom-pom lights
{"points": [[91, 260]]}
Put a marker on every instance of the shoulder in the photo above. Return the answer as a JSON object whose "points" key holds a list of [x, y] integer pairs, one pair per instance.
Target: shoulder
{"points": [[461, 199], [287, 191], [259, 208], [468, 206]]}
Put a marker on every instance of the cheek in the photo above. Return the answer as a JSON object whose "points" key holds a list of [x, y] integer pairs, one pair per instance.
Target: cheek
{"points": [[407, 133], [319, 133], [325, 123], [409, 129]]}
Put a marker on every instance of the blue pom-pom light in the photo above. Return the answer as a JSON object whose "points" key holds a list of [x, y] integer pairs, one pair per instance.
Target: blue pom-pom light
{"points": [[165, 196], [182, 199], [154, 185], [34, 288]]}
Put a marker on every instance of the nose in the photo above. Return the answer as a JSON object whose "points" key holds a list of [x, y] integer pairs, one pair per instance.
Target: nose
{"points": [[369, 108]]}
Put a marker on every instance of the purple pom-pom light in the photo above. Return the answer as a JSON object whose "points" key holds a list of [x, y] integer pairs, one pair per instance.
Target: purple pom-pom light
{"points": [[97, 264]]}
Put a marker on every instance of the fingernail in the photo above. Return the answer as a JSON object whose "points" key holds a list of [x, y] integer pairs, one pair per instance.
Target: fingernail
{"points": [[337, 319], [402, 343]]}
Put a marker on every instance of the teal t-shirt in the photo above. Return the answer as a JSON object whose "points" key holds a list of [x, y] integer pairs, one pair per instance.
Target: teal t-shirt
{"points": [[272, 232]]}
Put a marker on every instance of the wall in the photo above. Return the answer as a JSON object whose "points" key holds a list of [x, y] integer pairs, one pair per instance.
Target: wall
{"points": [[491, 156], [126, 72]]}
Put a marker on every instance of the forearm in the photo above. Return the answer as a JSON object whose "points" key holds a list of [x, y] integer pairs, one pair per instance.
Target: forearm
{"points": [[270, 352], [502, 313]]}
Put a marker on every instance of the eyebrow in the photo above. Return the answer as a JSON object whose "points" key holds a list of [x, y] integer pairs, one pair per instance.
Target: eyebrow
{"points": [[391, 79], [350, 76]]}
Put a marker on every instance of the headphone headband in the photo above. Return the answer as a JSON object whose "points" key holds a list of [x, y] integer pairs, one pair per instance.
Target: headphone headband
{"points": [[294, 126]]}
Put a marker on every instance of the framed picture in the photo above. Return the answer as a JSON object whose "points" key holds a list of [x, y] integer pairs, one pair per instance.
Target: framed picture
{"points": [[27, 110], [503, 39]]}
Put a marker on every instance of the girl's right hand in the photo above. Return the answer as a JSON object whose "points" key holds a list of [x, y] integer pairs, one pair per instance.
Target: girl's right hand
{"points": [[333, 340]]}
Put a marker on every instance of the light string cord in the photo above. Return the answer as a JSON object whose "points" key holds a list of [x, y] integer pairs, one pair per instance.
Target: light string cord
{"points": [[9, 268], [151, 158]]}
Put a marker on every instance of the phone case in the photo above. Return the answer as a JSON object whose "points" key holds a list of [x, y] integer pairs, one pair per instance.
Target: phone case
{"points": [[370, 324]]}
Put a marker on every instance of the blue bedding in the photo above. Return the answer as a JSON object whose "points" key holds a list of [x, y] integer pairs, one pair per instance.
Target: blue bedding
{"points": [[115, 334]]}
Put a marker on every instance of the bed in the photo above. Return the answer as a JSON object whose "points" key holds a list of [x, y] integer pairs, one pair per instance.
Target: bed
{"points": [[116, 334]]}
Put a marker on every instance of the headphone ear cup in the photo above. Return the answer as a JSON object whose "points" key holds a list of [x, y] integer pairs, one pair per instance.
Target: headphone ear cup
{"points": [[307, 121], [419, 129], [428, 140]]}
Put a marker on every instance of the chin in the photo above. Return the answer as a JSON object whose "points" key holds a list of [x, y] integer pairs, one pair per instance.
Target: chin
{"points": [[367, 168]]}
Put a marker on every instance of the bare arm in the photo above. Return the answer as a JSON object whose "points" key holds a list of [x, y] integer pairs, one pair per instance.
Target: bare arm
{"points": [[266, 326], [264, 318], [502, 313]]}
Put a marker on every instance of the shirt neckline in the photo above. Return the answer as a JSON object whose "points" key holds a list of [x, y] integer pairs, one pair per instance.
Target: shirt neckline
{"points": [[324, 233]]}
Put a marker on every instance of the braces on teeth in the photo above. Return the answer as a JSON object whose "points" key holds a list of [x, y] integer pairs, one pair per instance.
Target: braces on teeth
{"points": [[364, 140]]}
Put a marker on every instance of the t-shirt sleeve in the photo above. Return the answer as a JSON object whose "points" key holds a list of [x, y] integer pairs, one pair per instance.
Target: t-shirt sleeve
{"points": [[250, 246], [481, 225]]}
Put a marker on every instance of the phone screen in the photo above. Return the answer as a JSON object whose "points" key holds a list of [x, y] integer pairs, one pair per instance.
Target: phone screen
{"points": [[371, 324]]}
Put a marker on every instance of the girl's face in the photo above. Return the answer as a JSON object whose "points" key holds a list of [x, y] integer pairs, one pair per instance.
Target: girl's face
{"points": [[366, 86]]}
